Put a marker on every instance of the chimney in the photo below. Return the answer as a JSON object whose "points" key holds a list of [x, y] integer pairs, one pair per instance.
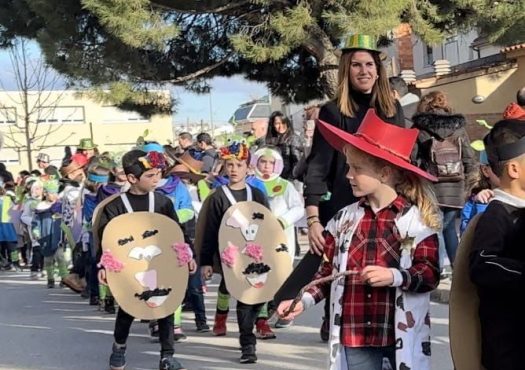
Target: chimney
{"points": [[403, 44]]}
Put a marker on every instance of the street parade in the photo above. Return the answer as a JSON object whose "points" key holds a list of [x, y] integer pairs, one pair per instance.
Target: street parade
{"points": [[365, 214]]}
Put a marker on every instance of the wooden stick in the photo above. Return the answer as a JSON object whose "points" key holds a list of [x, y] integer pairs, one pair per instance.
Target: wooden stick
{"points": [[325, 279]]}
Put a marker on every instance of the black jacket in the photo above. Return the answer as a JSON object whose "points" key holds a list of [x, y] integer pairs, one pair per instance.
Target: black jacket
{"points": [[292, 149], [441, 126], [497, 268], [327, 168]]}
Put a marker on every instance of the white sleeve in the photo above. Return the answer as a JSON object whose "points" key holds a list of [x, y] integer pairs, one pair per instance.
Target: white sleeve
{"points": [[294, 204]]}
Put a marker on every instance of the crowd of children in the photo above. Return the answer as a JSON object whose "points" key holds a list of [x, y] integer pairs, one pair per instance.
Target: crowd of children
{"points": [[47, 223]]}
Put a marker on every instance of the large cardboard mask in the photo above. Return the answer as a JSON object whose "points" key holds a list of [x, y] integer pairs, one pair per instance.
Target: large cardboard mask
{"points": [[253, 253], [146, 263], [465, 327]]}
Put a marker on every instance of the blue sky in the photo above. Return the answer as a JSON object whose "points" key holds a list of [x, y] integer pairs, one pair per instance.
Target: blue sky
{"points": [[226, 95]]}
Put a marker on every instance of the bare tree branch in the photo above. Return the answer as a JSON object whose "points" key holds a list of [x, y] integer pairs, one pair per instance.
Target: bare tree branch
{"points": [[200, 72]]}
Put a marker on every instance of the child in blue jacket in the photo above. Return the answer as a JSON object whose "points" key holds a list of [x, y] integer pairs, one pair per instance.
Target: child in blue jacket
{"points": [[481, 193]]}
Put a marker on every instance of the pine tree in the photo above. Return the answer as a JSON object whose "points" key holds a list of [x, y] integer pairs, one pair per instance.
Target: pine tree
{"points": [[132, 46]]}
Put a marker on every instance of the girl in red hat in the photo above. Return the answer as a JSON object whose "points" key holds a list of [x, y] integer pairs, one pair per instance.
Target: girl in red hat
{"points": [[385, 249]]}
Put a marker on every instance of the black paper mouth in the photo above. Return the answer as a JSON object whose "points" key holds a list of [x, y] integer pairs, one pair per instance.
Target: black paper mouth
{"points": [[257, 268], [144, 296]]}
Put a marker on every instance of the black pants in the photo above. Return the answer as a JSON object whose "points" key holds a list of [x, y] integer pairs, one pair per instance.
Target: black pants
{"points": [[123, 324], [246, 317], [37, 263]]}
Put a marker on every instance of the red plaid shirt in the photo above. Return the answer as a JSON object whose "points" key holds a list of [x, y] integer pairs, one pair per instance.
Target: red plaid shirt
{"points": [[368, 313]]}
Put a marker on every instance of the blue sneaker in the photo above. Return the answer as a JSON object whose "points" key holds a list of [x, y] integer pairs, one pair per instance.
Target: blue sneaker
{"points": [[170, 363], [117, 360]]}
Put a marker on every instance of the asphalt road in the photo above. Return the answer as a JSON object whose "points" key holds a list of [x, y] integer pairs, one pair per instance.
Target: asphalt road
{"points": [[55, 329]]}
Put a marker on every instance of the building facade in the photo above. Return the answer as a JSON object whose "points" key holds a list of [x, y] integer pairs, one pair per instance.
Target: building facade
{"points": [[61, 118]]}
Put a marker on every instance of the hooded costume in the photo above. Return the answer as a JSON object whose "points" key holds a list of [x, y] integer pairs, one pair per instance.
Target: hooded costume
{"points": [[285, 201]]}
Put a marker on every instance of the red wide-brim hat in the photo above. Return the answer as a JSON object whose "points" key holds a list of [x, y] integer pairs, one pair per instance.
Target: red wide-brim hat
{"points": [[389, 142]]}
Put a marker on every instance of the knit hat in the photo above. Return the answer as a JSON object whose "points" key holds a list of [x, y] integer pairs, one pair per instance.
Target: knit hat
{"points": [[42, 157]]}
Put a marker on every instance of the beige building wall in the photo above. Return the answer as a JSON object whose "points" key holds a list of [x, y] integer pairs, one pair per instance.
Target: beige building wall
{"points": [[63, 118], [497, 84]]}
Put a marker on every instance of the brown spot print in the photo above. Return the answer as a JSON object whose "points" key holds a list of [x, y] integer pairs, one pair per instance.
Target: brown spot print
{"points": [[410, 319], [402, 326], [427, 319]]}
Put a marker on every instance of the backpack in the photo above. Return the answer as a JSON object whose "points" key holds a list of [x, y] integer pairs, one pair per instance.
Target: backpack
{"points": [[445, 159]]}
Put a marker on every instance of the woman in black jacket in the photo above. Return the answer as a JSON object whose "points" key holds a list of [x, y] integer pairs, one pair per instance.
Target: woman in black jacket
{"points": [[437, 122], [362, 84], [281, 135]]}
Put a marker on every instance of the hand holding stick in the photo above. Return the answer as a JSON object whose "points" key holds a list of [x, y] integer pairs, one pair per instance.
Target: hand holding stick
{"points": [[325, 279]]}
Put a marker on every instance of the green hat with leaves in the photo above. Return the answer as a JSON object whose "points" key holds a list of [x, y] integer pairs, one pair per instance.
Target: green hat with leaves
{"points": [[86, 144]]}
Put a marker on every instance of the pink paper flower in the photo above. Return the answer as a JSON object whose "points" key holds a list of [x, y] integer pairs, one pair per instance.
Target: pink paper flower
{"points": [[229, 255], [184, 253], [254, 251], [110, 263]]}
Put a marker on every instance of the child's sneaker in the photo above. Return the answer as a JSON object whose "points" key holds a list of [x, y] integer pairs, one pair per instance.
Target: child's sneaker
{"points": [[178, 334], [283, 324], [263, 329], [202, 327], [248, 355], [109, 305], [219, 326], [50, 284], [34, 275], [170, 363], [94, 301], [117, 360], [325, 330]]}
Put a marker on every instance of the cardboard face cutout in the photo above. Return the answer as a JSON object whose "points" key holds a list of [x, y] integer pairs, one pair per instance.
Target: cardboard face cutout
{"points": [[146, 263], [253, 252], [465, 327]]}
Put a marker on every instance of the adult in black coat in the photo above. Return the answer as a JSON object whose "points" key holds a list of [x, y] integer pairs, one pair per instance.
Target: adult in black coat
{"points": [[281, 135], [363, 84], [436, 120]]}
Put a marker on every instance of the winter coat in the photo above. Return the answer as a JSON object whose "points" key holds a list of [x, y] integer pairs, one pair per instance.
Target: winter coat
{"points": [[441, 126], [326, 171], [291, 149], [46, 226]]}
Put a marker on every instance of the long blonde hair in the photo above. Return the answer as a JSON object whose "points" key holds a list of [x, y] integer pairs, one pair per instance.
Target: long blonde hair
{"points": [[420, 192], [414, 188], [382, 98]]}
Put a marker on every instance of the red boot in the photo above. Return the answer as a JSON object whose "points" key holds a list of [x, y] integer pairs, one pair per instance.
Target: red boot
{"points": [[219, 327], [263, 329]]}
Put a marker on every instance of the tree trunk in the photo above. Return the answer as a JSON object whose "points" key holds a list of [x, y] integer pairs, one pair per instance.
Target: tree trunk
{"points": [[329, 72], [327, 55], [27, 131]]}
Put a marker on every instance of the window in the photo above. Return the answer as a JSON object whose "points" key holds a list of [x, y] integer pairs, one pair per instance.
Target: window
{"points": [[429, 55], [112, 114], [60, 115], [7, 116], [9, 157]]}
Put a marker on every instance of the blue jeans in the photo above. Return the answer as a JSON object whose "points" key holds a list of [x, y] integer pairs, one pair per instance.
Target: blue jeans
{"points": [[369, 358], [450, 233], [196, 297]]}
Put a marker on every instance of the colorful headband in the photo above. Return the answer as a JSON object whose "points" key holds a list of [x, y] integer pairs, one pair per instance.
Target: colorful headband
{"points": [[235, 150], [101, 179], [153, 160], [153, 147]]}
